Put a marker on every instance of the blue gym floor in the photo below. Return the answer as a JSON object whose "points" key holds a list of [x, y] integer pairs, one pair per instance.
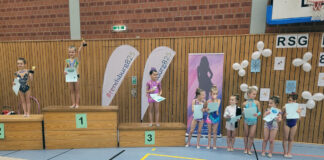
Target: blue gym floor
{"points": [[300, 152]]}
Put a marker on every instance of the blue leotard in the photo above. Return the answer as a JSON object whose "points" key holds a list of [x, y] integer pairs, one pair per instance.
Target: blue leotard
{"points": [[251, 121]]}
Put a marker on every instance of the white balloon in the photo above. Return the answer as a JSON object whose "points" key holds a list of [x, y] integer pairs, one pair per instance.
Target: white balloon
{"points": [[307, 67], [236, 66], [255, 87], [310, 104], [297, 62], [260, 45], [318, 96], [267, 52], [246, 96], [244, 87], [307, 56], [242, 72], [307, 95], [256, 55], [244, 63]]}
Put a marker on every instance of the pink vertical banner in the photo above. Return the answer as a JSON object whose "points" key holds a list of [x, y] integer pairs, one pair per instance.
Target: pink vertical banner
{"points": [[204, 71]]}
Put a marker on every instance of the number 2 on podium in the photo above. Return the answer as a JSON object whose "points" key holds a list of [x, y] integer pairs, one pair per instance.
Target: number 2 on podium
{"points": [[81, 120], [1, 131]]}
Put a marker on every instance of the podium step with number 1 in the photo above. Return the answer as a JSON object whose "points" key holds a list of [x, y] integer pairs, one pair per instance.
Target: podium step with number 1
{"points": [[84, 127]]}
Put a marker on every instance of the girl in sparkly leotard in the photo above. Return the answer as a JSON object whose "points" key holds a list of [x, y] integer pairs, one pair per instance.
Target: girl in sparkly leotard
{"points": [[24, 76]]}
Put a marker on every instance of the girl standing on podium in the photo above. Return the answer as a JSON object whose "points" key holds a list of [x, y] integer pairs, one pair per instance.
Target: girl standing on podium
{"points": [[73, 62], [24, 76], [153, 87]]}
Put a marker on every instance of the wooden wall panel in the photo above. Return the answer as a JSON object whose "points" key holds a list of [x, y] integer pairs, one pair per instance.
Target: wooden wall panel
{"points": [[50, 89]]}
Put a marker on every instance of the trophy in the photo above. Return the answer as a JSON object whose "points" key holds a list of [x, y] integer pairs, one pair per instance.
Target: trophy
{"points": [[32, 70]]}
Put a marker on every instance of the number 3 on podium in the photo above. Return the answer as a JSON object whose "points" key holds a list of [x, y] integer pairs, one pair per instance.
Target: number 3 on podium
{"points": [[81, 120], [1, 131], [149, 137]]}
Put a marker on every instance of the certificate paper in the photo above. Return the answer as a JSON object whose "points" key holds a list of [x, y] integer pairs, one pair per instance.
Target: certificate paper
{"points": [[16, 87], [273, 114], [198, 114], [71, 75], [249, 112], [235, 119], [157, 98], [213, 107], [291, 109]]}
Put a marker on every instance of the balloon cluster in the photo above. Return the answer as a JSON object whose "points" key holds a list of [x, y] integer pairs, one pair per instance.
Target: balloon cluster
{"points": [[306, 66], [240, 67], [265, 52], [244, 88], [312, 98]]}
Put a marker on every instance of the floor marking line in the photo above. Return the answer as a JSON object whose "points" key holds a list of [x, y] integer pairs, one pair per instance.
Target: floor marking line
{"points": [[294, 154], [162, 155], [117, 155], [10, 153], [143, 158], [60, 154]]}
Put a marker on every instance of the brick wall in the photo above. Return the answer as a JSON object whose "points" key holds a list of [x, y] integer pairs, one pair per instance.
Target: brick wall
{"points": [[34, 20], [49, 19], [164, 18]]}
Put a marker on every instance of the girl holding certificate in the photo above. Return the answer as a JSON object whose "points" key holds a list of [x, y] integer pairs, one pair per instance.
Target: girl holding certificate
{"points": [[251, 113], [213, 116], [72, 64], [291, 113], [153, 87], [232, 111], [198, 107], [24, 76], [272, 116]]}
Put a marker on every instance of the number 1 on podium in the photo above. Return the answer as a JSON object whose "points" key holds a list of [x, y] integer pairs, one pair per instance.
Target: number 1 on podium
{"points": [[81, 120]]}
